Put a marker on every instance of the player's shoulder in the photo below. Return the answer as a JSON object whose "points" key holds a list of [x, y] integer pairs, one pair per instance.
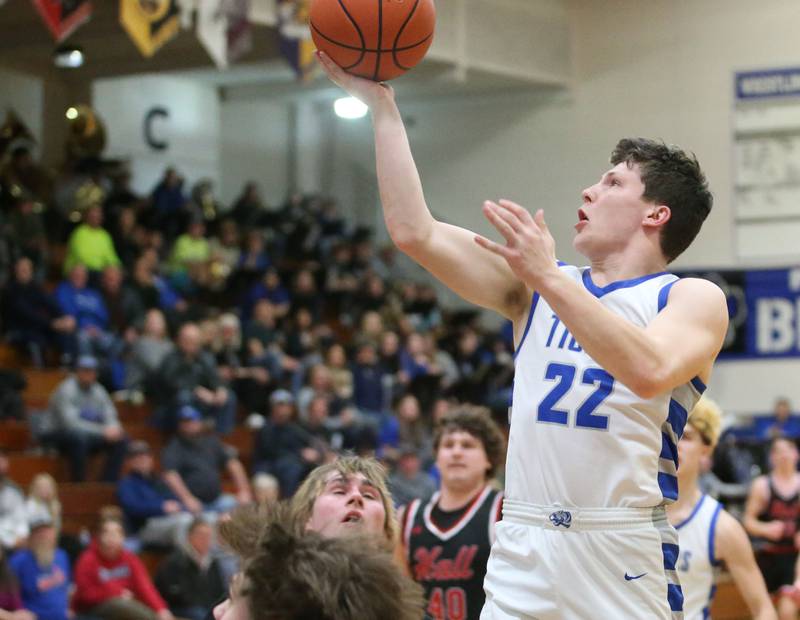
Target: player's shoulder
{"points": [[730, 536], [696, 290]]}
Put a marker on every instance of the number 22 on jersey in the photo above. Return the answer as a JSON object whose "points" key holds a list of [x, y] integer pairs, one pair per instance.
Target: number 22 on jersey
{"points": [[564, 376]]}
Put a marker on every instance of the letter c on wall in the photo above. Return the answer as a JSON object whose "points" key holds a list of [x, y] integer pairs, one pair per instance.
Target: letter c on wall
{"points": [[152, 141]]}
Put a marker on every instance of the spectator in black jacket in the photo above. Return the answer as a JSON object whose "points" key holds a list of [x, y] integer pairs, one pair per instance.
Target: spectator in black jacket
{"points": [[283, 448], [191, 579], [33, 319], [189, 376]]}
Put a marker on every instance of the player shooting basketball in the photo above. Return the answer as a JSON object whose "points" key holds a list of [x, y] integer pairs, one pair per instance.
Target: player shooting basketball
{"points": [[609, 360]]}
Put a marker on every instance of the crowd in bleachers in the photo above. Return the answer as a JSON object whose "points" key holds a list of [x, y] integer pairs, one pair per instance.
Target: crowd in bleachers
{"points": [[179, 331]]}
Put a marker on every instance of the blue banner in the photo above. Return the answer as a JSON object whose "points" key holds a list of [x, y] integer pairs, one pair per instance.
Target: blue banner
{"points": [[752, 85], [764, 310]]}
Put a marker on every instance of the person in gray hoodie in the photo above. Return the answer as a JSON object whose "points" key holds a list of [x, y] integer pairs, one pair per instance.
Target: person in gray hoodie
{"points": [[86, 422]]}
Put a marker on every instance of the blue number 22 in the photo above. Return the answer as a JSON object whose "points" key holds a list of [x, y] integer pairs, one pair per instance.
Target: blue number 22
{"points": [[565, 377]]}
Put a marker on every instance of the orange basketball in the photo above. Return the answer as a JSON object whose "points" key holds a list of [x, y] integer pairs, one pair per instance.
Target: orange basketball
{"points": [[375, 39]]}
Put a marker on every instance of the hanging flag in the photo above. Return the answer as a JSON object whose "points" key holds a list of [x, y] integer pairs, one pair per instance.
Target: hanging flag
{"points": [[223, 27], [295, 36], [62, 17], [150, 23]]}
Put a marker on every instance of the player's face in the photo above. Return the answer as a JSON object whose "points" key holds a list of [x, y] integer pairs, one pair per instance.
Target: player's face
{"points": [[784, 454], [461, 459], [692, 452], [612, 212], [235, 606], [348, 505]]}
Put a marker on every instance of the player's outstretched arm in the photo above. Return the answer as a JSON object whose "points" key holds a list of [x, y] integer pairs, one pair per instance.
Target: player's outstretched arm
{"points": [[447, 251], [733, 547]]}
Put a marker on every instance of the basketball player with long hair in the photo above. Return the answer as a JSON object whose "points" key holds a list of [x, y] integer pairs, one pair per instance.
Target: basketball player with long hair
{"points": [[447, 540], [707, 533], [609, 360]]}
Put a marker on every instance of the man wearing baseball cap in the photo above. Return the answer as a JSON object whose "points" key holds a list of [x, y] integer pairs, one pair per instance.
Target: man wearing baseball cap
{"points": [[707, 534]]}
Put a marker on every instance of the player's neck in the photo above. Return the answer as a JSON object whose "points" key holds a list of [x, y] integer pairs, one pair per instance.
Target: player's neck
{"points": [[784, 474], [453, 498], [688, 497], [625, 266]]}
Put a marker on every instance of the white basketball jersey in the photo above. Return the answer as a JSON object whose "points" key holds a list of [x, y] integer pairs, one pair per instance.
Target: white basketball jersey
{"points": [[696, 563], [578, 437]]}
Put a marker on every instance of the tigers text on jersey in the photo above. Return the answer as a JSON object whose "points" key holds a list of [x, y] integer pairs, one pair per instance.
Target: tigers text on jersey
{"points": [[579, 438], [450, 563], [697, 564]]}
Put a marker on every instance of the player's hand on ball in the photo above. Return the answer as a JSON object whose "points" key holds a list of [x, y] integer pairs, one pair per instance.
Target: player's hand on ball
{"points": [[367, 91], [530, 249]]}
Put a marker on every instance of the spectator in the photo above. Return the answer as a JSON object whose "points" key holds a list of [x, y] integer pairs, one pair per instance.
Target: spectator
{"points": [[189, 375], [369, 393], [43, 572], [782, 422], [86, 422], [111, 583], [340, 373], [13, 516], [26, 231], [167, 205], [225, 253], [247, 375], [304, 294], [90, 244], [248, 209], [33, 320], [407, 426], [10, 599], [89, 311], [266, 489], [189, 259], [254, 258], [282, 447], [191, 579], [269, 288], [43, 502], [152, 512], [320, 383], [408, 482], [125, 308], [193, 461], [147, 353]]}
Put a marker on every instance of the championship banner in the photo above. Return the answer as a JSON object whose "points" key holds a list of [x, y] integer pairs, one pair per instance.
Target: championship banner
{"points": [[150, 23], [223, 27], [62, 17], [764, 311], [295, 36]]}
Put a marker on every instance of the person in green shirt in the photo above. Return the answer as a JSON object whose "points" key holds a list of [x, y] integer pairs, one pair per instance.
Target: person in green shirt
{"points": [[90, 244], [190, 255]]}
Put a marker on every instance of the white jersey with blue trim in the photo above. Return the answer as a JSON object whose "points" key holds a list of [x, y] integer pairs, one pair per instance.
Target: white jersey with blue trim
{"points": [[697, 564], [578, 437]]}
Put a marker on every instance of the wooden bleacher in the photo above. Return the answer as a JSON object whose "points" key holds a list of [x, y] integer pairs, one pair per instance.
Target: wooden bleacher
{"points": [[81, 503], [41, 383]]}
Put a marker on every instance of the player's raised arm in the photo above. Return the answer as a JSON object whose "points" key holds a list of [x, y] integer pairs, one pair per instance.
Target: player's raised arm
{"points": [[733, 547], [447, 251]]}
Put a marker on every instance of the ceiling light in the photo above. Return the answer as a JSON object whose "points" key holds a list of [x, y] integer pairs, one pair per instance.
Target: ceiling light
{"points": [[350, 108], [68, 57], [72, 113]]}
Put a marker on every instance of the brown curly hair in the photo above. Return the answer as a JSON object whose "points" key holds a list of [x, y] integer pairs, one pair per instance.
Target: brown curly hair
{"points": [[478, 422], [294, 575]]}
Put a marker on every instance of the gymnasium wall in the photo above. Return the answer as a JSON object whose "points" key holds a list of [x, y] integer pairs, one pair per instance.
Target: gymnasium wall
{"points": [[24, 95], [191, 128]]}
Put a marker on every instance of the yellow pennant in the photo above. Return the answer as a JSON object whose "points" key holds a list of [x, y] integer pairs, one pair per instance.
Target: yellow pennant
{"points": [[150, 23]]}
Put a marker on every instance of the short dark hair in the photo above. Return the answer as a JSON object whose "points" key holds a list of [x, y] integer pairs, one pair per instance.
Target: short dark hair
{"points": [[673, 178], [478, 422]]}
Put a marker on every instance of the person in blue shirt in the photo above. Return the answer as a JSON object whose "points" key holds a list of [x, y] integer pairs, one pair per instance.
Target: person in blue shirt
{"points": [[43, 571]]}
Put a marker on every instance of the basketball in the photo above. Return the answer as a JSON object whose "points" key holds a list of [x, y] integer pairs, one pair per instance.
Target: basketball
{"points": [[375, 39]]}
